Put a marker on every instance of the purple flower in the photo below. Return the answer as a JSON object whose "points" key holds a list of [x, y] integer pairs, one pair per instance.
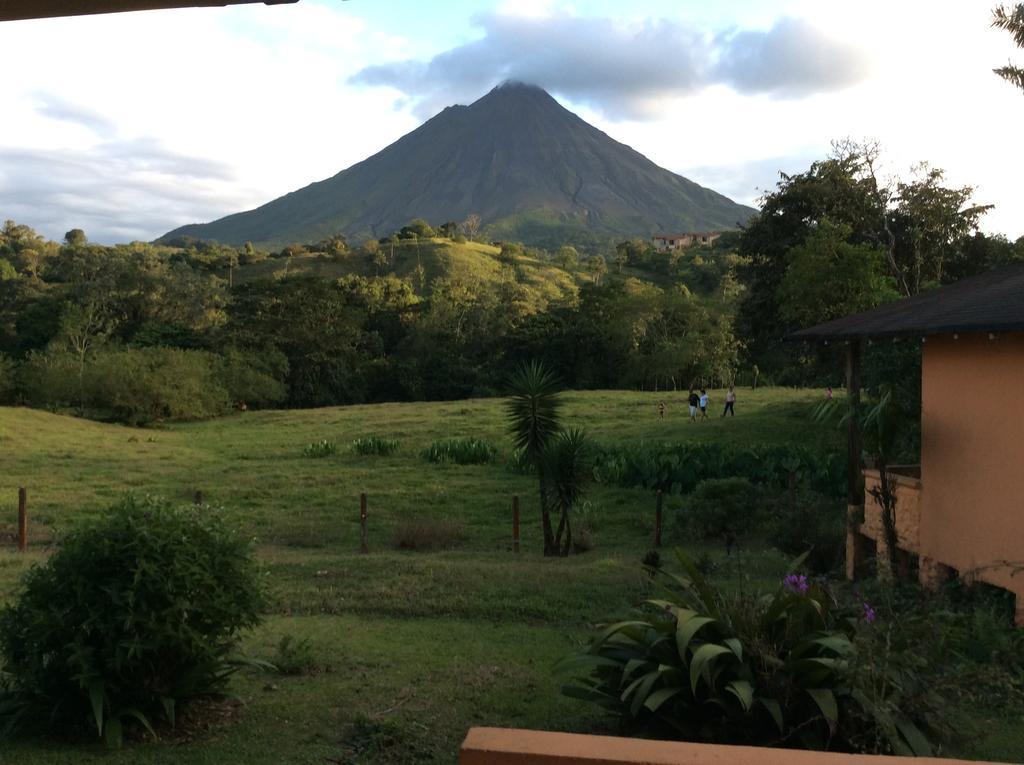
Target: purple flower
{"points": [[796, 584], [869, 613]]}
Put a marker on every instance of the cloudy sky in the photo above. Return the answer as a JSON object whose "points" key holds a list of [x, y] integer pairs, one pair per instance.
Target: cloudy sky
{"points": [[128, 125]]}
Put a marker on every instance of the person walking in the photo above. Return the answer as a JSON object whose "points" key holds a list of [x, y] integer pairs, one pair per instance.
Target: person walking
{"points": [[730, 402], [703, 401], [694, 403]]}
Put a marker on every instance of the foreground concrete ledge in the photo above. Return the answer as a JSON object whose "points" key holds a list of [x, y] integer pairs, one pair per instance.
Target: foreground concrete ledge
{"points": [[510, 746]]}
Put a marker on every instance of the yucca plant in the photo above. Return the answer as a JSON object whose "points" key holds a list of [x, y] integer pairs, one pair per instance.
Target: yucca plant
{"points": [[532, 415], [565, 469], [779, 670]]}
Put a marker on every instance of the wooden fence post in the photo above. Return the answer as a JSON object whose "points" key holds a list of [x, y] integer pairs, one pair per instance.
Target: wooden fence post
{"points": [[22, 519], [657, 520], [364, 546], [515, 524]]}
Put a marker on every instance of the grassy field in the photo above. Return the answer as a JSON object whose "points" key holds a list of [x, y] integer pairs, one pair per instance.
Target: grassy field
{"points": [[412, 648]]}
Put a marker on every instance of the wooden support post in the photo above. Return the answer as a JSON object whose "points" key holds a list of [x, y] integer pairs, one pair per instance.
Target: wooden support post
{"points": [[364, 545], [855, 545], [515, 524], [198, 499], [657, 519], [22, 519]]}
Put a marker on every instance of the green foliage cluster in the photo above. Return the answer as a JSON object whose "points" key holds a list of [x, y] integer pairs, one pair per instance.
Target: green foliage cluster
{"points": [[727, 509], [810, 524], [789, 668], [136, 613], [320, 450], [375, 445], [294, 656], [460, 451], [407, 318], [145, 385], [678, 468]]}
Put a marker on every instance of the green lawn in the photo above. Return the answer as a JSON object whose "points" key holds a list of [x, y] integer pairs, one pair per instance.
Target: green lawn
{"points": [[415, 648]]}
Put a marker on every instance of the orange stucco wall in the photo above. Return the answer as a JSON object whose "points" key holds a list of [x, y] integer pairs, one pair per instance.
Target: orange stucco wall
{"points": [[972, 455], [504, 746], [908, 510]]}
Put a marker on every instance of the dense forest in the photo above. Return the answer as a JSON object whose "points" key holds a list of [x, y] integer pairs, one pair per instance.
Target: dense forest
{"points": [[143, 332]]}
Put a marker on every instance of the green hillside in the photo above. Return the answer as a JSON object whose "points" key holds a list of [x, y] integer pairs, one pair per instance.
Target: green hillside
{"points": [[440, 259]]}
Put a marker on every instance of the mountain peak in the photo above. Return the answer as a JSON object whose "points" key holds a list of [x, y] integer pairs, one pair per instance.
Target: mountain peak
{"points": [[531, 169]]}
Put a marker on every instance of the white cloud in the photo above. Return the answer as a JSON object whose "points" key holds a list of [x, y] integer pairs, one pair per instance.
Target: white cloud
{"points": [[625, 69]]}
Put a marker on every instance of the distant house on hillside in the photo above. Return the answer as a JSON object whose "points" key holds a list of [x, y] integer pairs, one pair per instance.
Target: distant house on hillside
{"points": [[669, 242], [960, 510]]}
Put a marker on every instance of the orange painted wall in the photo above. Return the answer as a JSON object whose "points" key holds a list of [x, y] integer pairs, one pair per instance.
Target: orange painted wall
{"points": [[972, 454], [508, 746]]}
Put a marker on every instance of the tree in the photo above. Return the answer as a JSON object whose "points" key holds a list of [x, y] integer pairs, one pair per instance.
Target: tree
{"points": [[417, 228], [82, 327], [827, 277], [598, 267], [471, 227], [567, 256], [1012, 20], [931, 223], [532, 415], [75, 238]]}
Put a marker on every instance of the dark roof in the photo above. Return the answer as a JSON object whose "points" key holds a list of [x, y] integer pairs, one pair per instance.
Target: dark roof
{"points": [[11, 10], [991, 302]]}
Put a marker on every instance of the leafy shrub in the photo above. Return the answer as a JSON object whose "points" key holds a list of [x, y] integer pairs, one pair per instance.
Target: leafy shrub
{"points": [[421, 535], [254, 379], [294, 657], [815, 525], [144, 385], [7, 378], [677, 468], [788, 667], [135, 613], [370, 445], [320, 449], [461, 451], [721, 508]]}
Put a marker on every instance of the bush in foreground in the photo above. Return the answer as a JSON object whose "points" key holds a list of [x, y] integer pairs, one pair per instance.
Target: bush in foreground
{"points": [[721, 508], [135, 614], [786, 669], [812, 524], [461, 451]]}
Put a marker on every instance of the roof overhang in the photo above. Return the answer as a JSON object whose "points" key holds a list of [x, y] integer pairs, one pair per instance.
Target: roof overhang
{"points": [[992, 302], [13, 10]]}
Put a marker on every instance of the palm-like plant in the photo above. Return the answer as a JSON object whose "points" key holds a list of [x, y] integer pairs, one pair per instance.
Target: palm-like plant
{"points": [[565, 468], [532, 415], [1012, 20]]}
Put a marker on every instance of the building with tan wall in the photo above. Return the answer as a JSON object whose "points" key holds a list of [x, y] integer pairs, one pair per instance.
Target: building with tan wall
{"points": [[670, 242], [961, 511]]}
